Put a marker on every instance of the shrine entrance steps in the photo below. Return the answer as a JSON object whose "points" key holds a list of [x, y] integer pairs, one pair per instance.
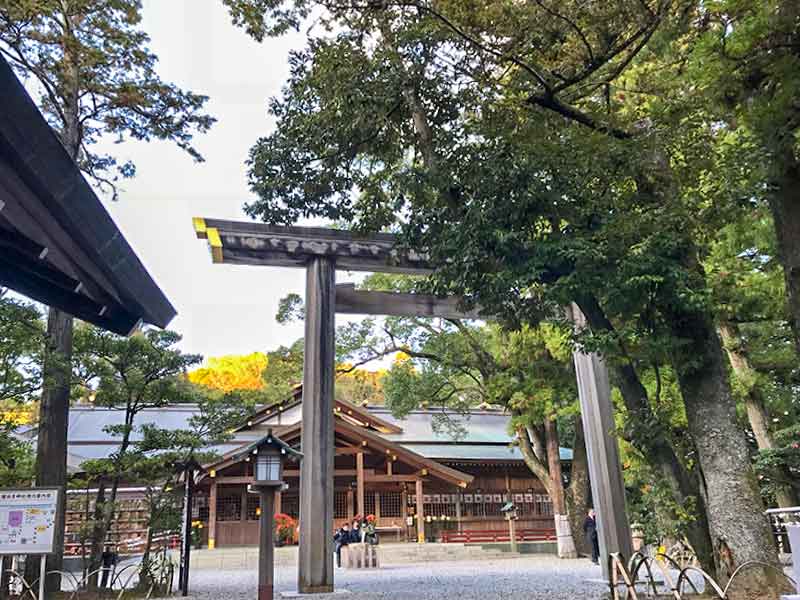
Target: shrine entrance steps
{"points": [[246, 557]]}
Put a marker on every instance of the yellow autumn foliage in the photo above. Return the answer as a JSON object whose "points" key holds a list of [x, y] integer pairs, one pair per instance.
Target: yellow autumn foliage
{"points": [[19, 414], [232, 372]]}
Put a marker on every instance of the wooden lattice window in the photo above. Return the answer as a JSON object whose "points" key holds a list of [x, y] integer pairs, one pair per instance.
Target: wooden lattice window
{"points": [[390, 504], [340, 505], [543, 505], [229, 508], [369, 503], [200, 508], [253, 504], [290, 504]]}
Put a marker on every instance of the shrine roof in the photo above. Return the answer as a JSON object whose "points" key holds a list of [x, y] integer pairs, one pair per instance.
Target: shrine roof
{"points": [[58, 244], [474, 452]]}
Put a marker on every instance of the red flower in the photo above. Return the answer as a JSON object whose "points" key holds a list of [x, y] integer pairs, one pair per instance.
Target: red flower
{"points": [[370, 518]]}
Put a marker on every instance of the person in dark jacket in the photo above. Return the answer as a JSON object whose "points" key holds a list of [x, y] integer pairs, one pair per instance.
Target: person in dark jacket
{"points": [[341, 538], [590, 531], [355, 532], [109, 560]]}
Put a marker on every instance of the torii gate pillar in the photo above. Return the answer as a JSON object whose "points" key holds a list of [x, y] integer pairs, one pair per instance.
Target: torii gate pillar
{"points": [[605, 470], [315, 564]]}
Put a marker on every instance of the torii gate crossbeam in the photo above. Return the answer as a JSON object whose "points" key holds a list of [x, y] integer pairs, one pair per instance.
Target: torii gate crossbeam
{"points": [[321, 252]]}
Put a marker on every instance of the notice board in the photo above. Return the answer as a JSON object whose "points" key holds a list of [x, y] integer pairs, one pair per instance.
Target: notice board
{"points": [[27, 520]]}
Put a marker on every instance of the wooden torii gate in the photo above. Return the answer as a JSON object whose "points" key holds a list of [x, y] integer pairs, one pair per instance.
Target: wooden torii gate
{"points": [[321, 252]]}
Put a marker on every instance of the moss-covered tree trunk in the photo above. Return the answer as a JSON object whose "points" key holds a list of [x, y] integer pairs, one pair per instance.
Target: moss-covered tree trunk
{"points": [[739, 530], [577, 494], [785, 206], [757, 414]]}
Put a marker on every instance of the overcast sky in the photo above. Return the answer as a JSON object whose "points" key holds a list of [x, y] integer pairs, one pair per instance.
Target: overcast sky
{"points": [[222, 309]]}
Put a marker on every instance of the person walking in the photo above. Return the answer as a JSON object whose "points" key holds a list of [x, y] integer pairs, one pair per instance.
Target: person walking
{"points": [[590, 531], [341, 538]]}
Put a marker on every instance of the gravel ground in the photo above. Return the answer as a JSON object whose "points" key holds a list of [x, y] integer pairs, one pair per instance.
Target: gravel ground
{"points": [[531, 578]]}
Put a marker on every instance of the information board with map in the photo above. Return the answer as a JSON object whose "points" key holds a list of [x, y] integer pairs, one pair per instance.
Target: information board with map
{"points": [[27, 520]]}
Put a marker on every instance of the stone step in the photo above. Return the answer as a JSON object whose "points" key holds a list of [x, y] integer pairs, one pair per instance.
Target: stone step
{"points": [[247, 557]]}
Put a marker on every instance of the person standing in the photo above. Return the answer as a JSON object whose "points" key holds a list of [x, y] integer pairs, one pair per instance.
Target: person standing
{"points": [[109, 561], [590, 531]]}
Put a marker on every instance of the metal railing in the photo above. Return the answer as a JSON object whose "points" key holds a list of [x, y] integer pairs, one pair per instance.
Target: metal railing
{"points": [[636, 578], [158, 580]]}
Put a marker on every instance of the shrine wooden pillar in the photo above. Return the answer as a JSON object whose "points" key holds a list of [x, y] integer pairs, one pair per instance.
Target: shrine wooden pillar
{"points": [[360, 484], [420, 513], [315, 561], [212, 516], [605, 470], [458, 510]]}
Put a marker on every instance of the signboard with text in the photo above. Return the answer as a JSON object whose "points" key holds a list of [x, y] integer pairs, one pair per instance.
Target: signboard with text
{"points": [[27, 520]]}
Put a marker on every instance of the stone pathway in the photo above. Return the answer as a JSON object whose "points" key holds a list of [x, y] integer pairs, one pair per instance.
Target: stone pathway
{"points": [[528, 577]]}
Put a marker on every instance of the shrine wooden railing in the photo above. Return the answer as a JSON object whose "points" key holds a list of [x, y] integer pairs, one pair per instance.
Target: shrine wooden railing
{"points": [[484, 536]]}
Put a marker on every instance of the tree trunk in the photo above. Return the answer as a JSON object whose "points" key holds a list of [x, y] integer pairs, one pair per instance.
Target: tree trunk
{"points": [[564, 539], [577, 495], [649, 437], [146, 577], [754, 404], [739, 529], [784, 203], [51, 445], [51, 441], [536, 466], [98, 539]]}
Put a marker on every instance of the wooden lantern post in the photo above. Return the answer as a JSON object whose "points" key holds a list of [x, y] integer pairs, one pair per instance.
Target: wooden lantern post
{"points": [[510, 512], [269, 453]]}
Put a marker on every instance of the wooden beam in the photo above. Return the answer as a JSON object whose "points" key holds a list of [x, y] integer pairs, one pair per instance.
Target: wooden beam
{"points": [[362, 302], [391, 478], [251, 243], [336, 472], [348, 450], [234, 480]]}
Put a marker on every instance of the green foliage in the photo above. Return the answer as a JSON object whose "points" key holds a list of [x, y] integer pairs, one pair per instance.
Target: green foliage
{"points": [[284, 371], [145, 370], [779, 468], [135, 373], [21, 338], [91, 63], [16, 458]]}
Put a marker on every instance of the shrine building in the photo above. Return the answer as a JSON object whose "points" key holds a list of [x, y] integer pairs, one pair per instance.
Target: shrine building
{"points": [[449, 471]]}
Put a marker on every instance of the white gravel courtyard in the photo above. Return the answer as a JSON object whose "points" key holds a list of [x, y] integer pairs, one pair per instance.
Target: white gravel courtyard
{"points": [[528, 577]]}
